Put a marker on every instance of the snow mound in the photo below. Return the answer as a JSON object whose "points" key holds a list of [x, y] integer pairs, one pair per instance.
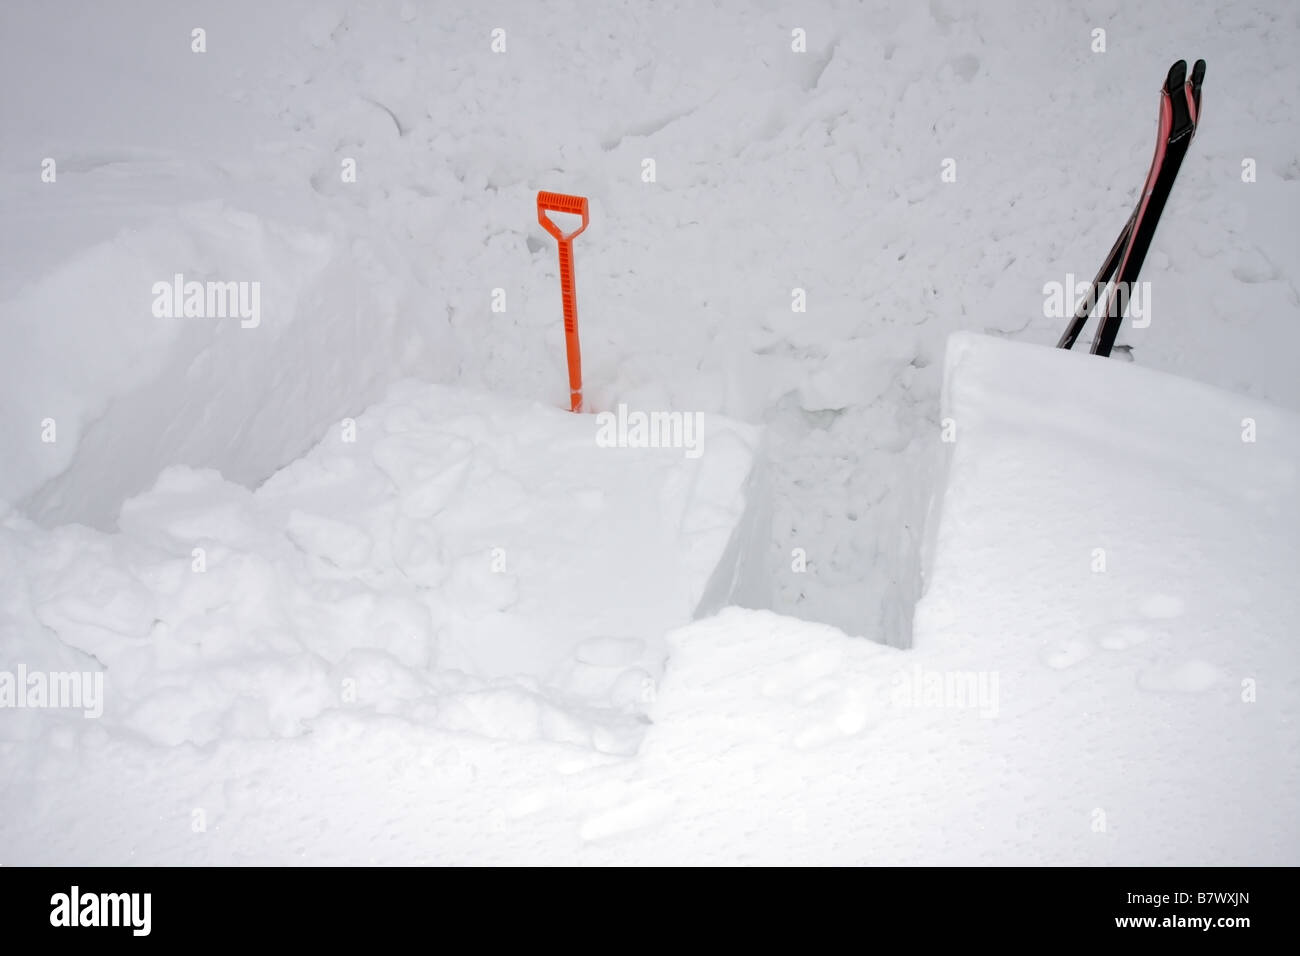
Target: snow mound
{"points": [[464, 561]]}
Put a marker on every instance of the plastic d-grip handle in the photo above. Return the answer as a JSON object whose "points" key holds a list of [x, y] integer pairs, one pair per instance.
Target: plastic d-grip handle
{"points": [[560, 202]]}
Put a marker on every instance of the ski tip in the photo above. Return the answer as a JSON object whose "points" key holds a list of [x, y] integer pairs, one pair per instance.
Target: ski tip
{"points": [[1177, 76], [1198, 73]]}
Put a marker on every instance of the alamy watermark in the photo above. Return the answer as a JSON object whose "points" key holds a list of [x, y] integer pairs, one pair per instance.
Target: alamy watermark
{"points": [[129, 910], [636, 429], [53, 690], [947, 690], [179, 299], [1062, 300]]}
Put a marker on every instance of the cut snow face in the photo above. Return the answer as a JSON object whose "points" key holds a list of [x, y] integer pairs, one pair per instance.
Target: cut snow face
{"points": [[469, 562], [125, 361], [1118, 546]]}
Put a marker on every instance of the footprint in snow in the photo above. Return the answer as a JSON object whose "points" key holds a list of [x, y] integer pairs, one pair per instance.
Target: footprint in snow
{"points": [[1067, 653], [846, 716], [1119, 637], [1190, 677], [610, 651], [795, 674], [1161, 606], [638, 814]]}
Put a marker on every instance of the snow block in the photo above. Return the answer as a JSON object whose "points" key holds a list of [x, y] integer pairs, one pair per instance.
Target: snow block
{"points": [[1120, 545]]}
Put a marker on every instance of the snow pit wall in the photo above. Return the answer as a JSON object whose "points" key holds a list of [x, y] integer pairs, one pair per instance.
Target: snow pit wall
{"points": [[131, 392], [743, 576]]}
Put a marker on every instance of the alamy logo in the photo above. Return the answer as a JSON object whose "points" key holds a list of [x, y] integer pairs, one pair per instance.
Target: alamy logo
{"points": [[179, 299], [1061, 300], [69, 690], [102, 909], [633, 429], [947, 690]]}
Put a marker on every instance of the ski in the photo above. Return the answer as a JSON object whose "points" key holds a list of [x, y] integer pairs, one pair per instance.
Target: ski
{"points": [[1089, 302], [1180, 107]]}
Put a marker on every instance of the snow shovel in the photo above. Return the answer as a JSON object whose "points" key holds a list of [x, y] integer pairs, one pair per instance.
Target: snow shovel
{"points": [[576, 205]]}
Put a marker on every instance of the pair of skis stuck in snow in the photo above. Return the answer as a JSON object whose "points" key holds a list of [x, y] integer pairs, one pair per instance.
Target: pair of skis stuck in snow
{"points": [[1180, 108]]}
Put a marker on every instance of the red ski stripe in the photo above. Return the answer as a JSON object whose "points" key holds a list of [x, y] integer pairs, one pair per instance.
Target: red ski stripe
{"points": [[1162, 139]]}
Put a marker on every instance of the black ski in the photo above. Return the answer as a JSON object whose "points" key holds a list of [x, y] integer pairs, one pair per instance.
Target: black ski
{"points": [[1090, 300], [1180, 108]]}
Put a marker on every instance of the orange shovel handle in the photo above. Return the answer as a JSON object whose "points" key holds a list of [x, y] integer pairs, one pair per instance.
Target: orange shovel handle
{"points": [[577, 205]]}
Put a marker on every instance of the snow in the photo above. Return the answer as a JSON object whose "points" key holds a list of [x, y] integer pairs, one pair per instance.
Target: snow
{"points": [[1063, 714], [475, 634], [444, 555]]}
